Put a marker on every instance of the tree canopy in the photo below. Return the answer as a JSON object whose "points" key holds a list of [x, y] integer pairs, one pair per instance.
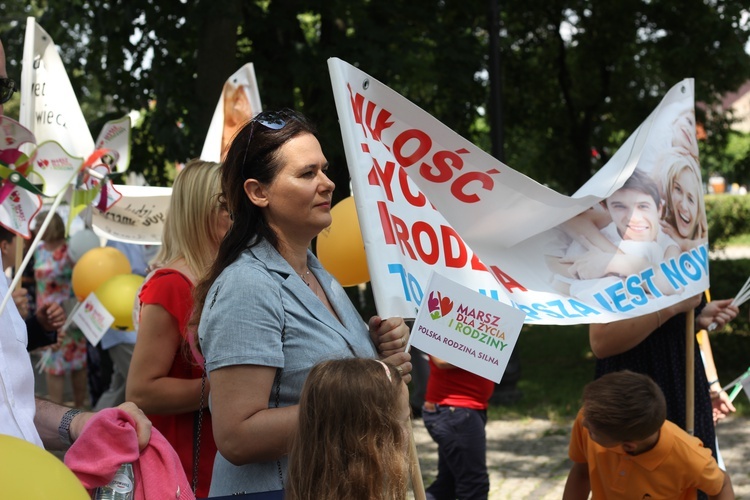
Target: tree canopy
{"points": [[577, 75]]}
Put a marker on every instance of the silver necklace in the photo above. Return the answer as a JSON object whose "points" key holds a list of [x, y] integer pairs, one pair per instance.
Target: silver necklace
{"points": [[302, 277]]}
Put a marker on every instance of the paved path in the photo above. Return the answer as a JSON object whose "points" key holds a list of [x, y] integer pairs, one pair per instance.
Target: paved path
{"points": [[528, 458], [733, 252]]}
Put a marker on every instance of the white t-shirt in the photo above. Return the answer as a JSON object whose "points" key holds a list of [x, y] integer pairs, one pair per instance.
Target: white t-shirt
{"points": [[652, 251], [17, 404]]}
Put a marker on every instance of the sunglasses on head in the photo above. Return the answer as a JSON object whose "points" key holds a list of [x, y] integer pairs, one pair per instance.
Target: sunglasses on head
{"points": [[7, 87], [274, 120]]}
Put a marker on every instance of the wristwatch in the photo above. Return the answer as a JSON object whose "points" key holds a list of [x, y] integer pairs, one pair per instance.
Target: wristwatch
{"points": [[64, 429]]}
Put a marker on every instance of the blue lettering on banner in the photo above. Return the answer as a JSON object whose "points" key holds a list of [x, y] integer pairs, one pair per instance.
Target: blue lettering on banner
{"points": [[412, 289], [567, 308], [688, 267]]}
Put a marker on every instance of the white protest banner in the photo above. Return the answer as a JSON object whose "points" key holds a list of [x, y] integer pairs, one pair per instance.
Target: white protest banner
{"points": [[425, 195], [405, 238], [92, 318], [239, 102], [466, 329], [49, 107], [138, 217]]}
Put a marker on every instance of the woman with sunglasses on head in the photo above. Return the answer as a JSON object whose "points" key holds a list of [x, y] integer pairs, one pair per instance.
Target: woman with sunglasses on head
{"points": [[165, 378], [268, 311]]}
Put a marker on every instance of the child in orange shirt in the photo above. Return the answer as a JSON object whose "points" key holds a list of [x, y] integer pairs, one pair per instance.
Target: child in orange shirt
{"points": [[623, 447]]}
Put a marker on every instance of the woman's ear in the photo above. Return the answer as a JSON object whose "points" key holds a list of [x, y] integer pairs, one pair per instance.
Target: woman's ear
{"points": [[256, 193]]}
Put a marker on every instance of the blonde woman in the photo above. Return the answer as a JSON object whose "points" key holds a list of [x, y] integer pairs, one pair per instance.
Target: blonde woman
{"points": [[165, 379], [684, 216]]}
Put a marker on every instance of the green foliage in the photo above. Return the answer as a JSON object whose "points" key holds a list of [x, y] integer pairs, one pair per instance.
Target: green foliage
{"points": [[728, 216], [556, 362], [727, 277], [576, 75], [733, 163]]}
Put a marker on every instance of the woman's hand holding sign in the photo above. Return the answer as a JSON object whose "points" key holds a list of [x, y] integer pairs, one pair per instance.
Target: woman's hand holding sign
{"points": [[390, 337]]}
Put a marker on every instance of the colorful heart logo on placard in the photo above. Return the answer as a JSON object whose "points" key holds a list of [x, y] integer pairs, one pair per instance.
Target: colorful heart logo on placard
{"points": [[439, 306]]}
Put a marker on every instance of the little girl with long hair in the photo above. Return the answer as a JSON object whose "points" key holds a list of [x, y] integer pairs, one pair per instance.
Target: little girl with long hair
{"points": [[352, 440]]}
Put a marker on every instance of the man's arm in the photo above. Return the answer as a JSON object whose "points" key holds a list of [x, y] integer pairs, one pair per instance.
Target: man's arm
{"points": [[47, 420], [49, 415], [578, 486]]}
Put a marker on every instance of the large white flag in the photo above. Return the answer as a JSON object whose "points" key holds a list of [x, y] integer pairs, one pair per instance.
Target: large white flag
{"points": [[428, 199], [49, 107], [238, 103]]}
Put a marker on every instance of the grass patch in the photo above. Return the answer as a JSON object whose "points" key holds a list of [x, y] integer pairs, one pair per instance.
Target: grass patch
{"points": [[556, 362], [739, 240]]}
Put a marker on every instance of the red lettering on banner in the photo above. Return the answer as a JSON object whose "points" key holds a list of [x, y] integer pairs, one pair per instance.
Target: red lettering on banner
{"points": [[451, 260], [477, 264], [384, 174], [406, 137], [385, 222], [505, 280], [402, 235], [416, 200], [425, 243], [457, 188], [443, 161], [411, 146], [381, 120], [357, 101], [418, 230]]}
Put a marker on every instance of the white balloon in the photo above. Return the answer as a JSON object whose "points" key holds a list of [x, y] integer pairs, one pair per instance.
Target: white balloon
{"points": [[81, 242]]}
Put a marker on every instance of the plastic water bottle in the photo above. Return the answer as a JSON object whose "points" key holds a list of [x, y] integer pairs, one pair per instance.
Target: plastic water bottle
{"points": [[122, 486]]}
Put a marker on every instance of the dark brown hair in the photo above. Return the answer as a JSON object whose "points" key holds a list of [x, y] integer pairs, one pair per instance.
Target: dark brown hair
{"points": [[253, 154], [624, 406], [55, 230], [6, 234], [641, 182], [350, 442]]}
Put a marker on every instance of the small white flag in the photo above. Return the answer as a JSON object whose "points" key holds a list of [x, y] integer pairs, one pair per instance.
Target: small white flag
{"points": [[92, 318], [466, 328]]}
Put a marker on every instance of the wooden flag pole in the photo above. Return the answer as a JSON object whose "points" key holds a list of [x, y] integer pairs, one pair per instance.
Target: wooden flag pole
{"points": [[690, 372], [30, 253], [19, 260], [416, 472]]}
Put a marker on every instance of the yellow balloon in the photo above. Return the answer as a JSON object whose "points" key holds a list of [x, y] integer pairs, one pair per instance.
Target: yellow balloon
{"points": [[117, 295], [340, 247], [95, 267], [29, 472]]}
